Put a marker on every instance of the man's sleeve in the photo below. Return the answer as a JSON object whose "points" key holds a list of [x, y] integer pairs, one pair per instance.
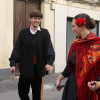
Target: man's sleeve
{"points": [[50, 54], [15, 56]]}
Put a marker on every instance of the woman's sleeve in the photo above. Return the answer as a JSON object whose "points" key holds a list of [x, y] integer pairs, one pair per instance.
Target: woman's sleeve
{"points": [[65, 72]]}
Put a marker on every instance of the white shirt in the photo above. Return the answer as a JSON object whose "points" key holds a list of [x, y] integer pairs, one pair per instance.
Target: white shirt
{"points": [[38, 29]]}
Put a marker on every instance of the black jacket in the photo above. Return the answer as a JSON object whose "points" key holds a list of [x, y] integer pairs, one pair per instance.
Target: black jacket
{"points": [[26, 46]]}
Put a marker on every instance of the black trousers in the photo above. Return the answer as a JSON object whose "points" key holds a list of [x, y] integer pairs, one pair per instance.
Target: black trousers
{"points": [[24, 88]]}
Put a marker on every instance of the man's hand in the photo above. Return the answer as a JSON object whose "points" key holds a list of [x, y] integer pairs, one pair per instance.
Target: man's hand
{"points": [[48, 67], [12, 69]]}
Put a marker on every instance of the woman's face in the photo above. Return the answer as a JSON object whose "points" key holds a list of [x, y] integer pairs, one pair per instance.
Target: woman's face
{"points": [[76, 29]]}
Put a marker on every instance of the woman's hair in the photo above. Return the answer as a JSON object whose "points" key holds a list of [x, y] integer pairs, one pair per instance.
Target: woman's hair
{"points": [[36, 13], [90, 22]]}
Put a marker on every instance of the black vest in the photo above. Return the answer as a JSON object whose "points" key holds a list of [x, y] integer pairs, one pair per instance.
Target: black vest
{"points": [[32, 44]]}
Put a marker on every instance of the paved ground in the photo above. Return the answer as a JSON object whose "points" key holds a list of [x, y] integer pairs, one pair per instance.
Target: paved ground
{"points": [[8, 88]]}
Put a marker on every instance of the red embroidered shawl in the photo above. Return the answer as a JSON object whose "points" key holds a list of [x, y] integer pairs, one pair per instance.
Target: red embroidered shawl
{"points": [[87, 65]]}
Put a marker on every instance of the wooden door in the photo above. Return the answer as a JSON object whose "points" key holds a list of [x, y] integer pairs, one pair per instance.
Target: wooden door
{"points": [[19, 18]]}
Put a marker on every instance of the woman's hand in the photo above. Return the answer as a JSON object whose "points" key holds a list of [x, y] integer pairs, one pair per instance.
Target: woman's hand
{"points": [[58, 82], [93, 85]]}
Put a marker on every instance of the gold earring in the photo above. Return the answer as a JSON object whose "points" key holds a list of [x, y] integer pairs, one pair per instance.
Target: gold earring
{"points": [[82, 33]]}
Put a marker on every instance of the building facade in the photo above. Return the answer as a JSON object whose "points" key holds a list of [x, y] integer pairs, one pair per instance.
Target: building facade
{"points": [[57, 19]]}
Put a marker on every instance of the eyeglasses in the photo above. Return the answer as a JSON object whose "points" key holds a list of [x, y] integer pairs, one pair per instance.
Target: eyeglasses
{"points": [[60, 86]]}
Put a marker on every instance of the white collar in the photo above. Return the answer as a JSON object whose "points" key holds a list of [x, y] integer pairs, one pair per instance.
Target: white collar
{"points": [[38, 29]]}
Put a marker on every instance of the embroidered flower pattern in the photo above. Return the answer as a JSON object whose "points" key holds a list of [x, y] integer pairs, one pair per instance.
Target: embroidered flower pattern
{"points": [[80, 21], [92, 55]]}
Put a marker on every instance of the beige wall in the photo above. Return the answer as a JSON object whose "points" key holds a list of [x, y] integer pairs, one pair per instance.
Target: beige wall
{"points": [[74, 4], [6, 31], [48, 19]]}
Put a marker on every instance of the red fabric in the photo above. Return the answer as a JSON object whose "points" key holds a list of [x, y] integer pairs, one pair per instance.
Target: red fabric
{"points": [[87, 65], [34, 59]]}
